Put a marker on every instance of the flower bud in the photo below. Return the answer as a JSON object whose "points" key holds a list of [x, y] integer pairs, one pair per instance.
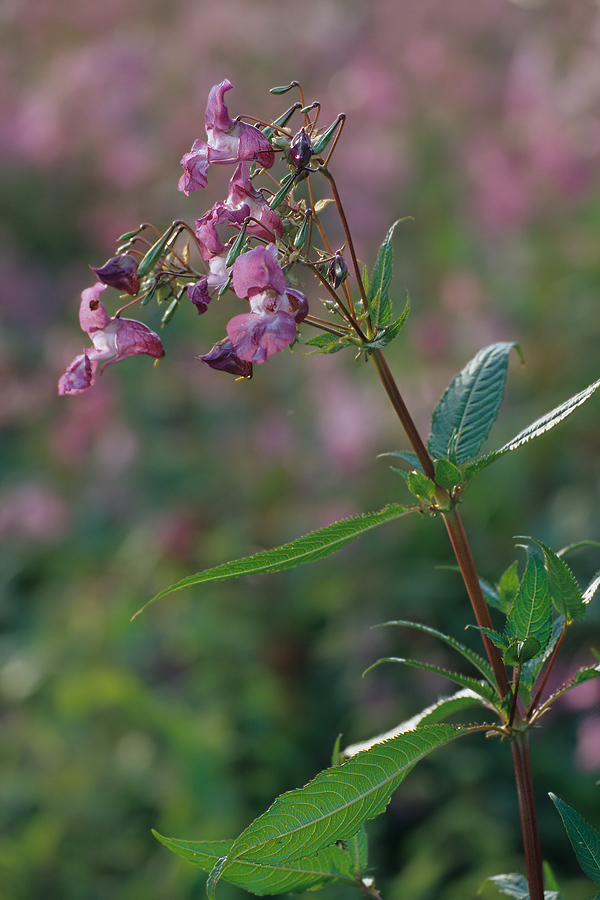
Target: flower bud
{"points": [[300, 150], [337, 271], [120, 272]]}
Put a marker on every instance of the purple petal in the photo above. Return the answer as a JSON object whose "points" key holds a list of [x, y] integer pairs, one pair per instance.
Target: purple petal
{"points": [[78, 377], [255, 337], [199, 295], [224, 358], [257, 271]]}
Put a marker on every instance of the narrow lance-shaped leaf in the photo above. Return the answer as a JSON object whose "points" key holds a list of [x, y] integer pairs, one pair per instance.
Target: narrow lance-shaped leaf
{"points": [[474, 658], [537, 428], [380, 308], [308, 548], [584, 838], [335, 804], [531, 615], [462, 419], [431, 715], [485, 690]]}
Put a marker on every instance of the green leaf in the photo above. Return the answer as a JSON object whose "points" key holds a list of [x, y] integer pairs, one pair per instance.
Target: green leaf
{"points": [[357, 848], [491, 594], [514, 885], [421, 486], [499, 640], [411, 458], [537, 428], [332, 807], [329, 864], [462, 420], [474, 658], [531, 614], [431, 715], [508, 587], [447, 475], [520, 652], [586, 673], [563, 588], [584, 839], [591, 589], [384, 336], [379, 306], [203, 854], [533, 667], [308, 548], [328, 343], [482, 688]]}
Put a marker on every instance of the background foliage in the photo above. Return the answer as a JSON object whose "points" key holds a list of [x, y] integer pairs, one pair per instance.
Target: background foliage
{"points": [[480, 121]]}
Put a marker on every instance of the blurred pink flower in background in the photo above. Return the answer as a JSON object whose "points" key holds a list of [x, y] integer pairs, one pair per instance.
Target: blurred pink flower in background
{"points": [[33, 511]]}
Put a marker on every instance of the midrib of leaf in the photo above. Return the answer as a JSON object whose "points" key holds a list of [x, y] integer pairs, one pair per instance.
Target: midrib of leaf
{"points": [[367, 799], [309, 547], [483, 378], [530, 616]]}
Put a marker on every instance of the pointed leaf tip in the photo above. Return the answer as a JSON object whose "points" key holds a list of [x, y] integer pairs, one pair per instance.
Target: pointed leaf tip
{"points": [[464, 416]]}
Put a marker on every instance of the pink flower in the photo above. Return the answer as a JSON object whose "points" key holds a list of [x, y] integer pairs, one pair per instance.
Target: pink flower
{"points": [[275, 308], [113, 340], [229, 141], [243, 201]]}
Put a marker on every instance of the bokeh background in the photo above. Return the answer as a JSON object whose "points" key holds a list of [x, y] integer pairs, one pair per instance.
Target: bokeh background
{"points": [[481, 121]]}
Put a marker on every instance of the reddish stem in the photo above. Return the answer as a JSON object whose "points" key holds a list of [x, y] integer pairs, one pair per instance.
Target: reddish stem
{"points": [[529, 830]]}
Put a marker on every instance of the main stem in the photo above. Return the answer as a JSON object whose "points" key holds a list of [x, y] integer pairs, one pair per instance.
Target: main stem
{"points": [[464, 558], [529, 829]]}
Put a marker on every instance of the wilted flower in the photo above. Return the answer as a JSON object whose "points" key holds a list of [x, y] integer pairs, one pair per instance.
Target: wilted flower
{"points": [[113, 339], [276, 309], [223, 357], [229, 141], [200, 295], [120, 272]]}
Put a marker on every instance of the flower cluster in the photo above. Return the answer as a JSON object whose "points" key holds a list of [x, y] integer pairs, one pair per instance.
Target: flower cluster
{"points": [[247, 244], [254, 274]]}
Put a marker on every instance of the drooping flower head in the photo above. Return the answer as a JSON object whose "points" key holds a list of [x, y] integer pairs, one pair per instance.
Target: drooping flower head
{"points": [[275, 308], [229, 141], [113, 340], [120, 272]]}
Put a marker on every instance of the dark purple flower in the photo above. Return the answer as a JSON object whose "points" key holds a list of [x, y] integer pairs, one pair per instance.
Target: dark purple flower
{"points": [[223, 357], [229, 141], [200, 295], [120, 272], [275, 309], [113, 340]]}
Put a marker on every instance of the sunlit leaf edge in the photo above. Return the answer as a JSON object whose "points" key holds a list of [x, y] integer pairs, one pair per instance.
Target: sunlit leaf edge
{"points": [[308, 548], [584, 838]]}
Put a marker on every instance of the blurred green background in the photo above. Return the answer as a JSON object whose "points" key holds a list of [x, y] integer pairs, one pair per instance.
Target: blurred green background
{"points": [[481, 120]]}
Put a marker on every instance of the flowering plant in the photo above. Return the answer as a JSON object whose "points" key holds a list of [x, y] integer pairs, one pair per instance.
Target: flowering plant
{"points": [[253, 244]]}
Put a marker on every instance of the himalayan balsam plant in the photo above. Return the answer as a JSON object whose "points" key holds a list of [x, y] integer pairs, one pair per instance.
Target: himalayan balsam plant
{"points": [[260, 243]]}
